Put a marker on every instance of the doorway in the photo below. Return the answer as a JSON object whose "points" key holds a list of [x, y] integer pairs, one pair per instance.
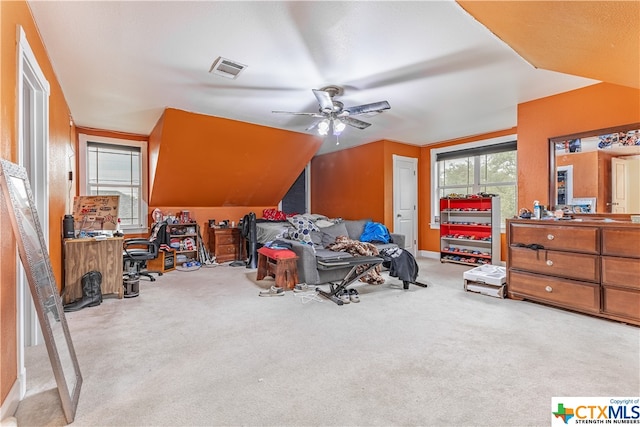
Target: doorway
{"points": [[405, 200], [33, 142]]}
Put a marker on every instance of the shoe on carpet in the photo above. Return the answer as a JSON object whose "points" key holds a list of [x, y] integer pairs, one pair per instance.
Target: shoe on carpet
{"points": [[301, 287], [353, 295], [273, 291], [344, 296]]}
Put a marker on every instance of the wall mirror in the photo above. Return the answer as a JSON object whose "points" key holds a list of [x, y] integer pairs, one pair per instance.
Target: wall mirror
{"points": [[596, 171], [37, 265]]}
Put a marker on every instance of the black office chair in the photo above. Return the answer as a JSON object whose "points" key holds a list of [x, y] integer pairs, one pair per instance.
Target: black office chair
{"points": [[138, 251]]}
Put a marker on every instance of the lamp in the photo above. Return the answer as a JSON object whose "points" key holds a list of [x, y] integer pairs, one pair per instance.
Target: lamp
{"points": [[323, 127], [338, 127]]}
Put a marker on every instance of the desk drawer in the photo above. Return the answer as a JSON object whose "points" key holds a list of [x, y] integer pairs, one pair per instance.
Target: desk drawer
{"points": [[623, 272], [557, 237], [568, 293], [555, 263]]}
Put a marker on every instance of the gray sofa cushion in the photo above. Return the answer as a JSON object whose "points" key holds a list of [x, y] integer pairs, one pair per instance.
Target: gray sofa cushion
{"points": [[329, 234], [355, 227]]}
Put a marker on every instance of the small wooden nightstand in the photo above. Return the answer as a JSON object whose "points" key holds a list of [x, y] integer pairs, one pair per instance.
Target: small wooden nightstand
{"points": [[225, 243]]}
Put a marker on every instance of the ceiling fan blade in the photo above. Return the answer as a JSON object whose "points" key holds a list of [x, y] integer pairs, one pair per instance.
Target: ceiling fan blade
{"points": [[299, 114], [355, 122], [324, 99], [367, 108]]}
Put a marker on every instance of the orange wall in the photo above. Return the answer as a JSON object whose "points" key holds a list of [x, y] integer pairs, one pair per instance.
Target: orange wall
{"points": [[61, 143], [358, 182], [350, 183], [594, 107], [206, 161]]}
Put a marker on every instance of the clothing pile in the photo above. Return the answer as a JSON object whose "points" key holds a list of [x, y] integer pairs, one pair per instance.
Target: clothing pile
{"points": [[358, 248]]}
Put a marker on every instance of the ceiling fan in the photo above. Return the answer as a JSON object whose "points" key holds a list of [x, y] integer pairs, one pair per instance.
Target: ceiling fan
{"points": [[332, 114]]}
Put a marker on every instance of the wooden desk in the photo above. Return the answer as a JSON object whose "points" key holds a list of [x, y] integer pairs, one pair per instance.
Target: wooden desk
{"points": [[84, 255]]}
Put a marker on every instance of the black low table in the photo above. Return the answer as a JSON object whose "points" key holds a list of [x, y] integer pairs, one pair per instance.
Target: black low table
{"points": [[351, 276]]}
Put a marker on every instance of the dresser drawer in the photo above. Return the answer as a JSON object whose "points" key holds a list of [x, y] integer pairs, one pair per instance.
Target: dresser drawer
{"points": [[225, 239], [570, 294], [623, 272], [556, 237], [556, 263], [621, 242], [225, 250], [622, 302]]}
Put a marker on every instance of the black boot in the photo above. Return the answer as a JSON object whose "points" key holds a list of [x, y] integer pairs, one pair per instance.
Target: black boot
{"points": [[91, 292]]}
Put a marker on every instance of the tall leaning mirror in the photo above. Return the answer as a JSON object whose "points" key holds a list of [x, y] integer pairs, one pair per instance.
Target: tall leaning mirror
{"points": [[37, 265], [596, 171]]}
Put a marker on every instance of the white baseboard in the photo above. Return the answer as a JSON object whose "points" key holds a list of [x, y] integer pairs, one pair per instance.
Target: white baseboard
{"points": [[10, 404], [429, 254]]}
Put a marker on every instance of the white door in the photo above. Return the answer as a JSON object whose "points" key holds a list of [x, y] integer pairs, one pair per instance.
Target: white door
{"points": [[405, 200], [619, 190]]}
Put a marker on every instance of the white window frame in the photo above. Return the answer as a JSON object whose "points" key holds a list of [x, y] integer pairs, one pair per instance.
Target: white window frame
{"points": [[435, 200], [84, 181]]}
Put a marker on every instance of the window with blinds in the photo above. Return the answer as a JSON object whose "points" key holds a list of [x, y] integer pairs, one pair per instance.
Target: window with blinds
{"points": [[490, 168]]}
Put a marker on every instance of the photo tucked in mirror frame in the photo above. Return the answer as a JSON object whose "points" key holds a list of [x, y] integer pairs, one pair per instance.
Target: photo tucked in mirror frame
{"points": [[34, 256], [596, 172]]}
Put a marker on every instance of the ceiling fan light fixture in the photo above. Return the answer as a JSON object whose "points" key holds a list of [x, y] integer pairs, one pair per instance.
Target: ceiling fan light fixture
{"points": [[338, 127], [323, 127]]}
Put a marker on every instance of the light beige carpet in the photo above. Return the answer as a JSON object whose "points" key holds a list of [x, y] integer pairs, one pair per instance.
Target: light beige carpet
{"points": [[201, 348]]}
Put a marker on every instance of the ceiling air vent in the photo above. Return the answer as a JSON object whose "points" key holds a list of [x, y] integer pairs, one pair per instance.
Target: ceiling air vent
{"points": [[226, 68]]}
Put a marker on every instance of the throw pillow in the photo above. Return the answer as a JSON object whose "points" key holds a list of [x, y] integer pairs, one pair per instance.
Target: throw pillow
{"points": [[355, 227], [329, 234], [316, 239], [302, 228]]}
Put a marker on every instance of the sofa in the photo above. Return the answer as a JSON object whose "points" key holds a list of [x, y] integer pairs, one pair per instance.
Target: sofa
{"points": [[309, 252]]}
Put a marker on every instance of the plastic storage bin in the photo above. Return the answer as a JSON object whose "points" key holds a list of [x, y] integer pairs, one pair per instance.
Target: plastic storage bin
{"points": [[487, 280]]}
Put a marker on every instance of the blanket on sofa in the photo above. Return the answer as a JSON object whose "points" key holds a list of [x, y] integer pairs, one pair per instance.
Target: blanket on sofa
{"points": [[357, 248]]}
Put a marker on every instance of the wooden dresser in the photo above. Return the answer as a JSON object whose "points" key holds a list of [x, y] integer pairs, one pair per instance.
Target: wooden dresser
{"points": [[225, 243], [587, 266]]}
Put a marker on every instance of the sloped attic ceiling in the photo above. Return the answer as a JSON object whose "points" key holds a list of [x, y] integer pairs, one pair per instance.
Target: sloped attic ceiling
{"points": [[207, 161], [594, 39]]}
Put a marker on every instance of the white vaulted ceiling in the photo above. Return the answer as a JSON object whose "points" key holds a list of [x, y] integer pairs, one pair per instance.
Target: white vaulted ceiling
{"points": [[120, 64]]}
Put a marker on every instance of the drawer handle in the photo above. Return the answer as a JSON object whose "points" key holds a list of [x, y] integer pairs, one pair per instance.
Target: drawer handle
{"points": [[550, 236], [548, 289], [549, 262]]}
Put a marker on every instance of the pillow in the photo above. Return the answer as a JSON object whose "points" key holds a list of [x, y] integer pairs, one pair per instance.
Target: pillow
{"points": [[355, 228], [301, 230], [329, 234], [273, 215], [322, 223], [336, 230], [316, 239]]}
